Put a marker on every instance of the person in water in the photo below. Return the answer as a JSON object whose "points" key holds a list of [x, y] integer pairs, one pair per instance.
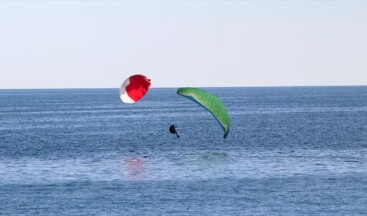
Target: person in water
{"points": [[172, 130]]}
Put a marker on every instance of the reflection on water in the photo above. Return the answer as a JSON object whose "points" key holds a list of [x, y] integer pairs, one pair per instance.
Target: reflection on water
{"points": [[134, 168], [214, 157], [189, 166], [208, 165]]}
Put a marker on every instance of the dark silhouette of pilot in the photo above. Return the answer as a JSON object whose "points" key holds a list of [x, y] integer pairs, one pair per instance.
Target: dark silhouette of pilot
{"points": [[172, 130]]}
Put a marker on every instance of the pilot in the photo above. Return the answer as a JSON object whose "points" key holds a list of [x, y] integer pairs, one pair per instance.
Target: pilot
{"points": [[172, 130]]}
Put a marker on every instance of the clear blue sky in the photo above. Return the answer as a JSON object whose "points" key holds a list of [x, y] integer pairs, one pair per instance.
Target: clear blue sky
{"points": [[97, 44]]}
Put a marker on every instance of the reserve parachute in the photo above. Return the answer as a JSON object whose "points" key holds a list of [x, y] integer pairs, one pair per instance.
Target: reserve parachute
{"points": [[134, 88], [211, 103]]}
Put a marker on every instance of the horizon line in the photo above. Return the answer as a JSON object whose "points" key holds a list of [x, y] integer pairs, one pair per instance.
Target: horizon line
{"points": [[270, 86]]}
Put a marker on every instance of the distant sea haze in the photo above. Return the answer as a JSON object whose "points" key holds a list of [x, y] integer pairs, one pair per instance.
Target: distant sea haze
{"points": [[290, 151]]}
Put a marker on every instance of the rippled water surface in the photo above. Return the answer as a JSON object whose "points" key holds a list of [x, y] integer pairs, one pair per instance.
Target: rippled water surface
{"points": [[290, 151]]}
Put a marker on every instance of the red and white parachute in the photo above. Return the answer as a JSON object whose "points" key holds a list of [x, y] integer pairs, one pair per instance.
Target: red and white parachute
{"points": [[134, 88]]}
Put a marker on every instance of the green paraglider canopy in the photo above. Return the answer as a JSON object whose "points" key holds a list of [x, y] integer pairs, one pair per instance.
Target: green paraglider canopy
{"points": [[209, 102]]}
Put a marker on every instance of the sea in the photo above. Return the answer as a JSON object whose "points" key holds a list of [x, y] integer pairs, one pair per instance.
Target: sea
{"points": [[290, 151]]}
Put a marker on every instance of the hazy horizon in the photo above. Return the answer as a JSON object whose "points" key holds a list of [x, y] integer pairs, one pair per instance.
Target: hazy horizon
{"points": [[173, 87]]}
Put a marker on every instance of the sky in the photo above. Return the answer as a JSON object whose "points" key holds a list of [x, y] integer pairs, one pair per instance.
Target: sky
{"points": [[98, 44]]}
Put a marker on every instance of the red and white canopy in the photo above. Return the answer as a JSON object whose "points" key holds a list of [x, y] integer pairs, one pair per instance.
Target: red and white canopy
{"points": [[134, 88]]}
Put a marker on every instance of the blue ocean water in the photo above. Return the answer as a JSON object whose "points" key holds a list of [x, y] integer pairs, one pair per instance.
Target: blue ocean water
{"points": [[290, 151]]}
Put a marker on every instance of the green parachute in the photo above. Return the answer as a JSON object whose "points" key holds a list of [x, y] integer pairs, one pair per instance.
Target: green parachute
{"points": [[209, 102]]}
